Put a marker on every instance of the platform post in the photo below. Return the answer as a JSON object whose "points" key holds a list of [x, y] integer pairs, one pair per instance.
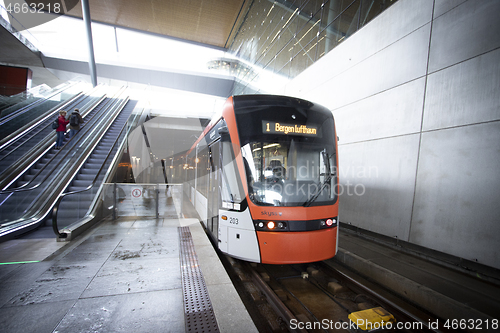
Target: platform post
{"points": [[114, 201], [182, 200], [157, 200]]}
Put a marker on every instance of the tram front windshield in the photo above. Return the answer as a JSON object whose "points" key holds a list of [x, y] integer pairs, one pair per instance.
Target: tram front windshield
{"points": [[289, 173], [288, 150]]}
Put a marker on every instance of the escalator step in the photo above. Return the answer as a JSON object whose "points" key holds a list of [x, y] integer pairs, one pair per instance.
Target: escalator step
{"points": [[76, 188], [88, 177], [87, 171], [95, 161], [99, 155], [80, 183], [94, 166]]}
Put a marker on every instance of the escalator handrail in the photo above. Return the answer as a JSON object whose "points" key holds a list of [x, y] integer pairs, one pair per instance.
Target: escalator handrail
{"points": [[14, 136], [23, 188], [55, 209], [11, 138], [26, 108], [18, 168], [42, 128]]}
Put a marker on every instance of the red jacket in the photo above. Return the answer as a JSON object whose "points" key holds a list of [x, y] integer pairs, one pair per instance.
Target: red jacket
{"points": [[62, 124]]}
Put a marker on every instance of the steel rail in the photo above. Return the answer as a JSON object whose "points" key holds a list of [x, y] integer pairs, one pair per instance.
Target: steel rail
{"points": [[274, 300], [398, 306]]}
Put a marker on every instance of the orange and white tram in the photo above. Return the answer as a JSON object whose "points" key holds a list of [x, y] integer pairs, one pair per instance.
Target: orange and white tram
{"points": [[265, 180]]}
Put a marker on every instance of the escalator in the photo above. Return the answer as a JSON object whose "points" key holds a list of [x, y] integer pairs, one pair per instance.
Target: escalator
{"points": [[89, 111], [81, 194], [22, 145], [29, 199]]}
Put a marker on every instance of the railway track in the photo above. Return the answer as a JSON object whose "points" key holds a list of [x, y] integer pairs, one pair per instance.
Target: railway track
{"points": [[319, 297]]}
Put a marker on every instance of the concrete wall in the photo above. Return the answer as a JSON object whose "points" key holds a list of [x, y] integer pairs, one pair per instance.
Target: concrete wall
{"points": [[416, 98]]}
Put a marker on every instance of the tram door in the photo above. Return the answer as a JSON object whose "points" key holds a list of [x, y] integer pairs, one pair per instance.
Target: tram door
{"points": [[213, 189]]}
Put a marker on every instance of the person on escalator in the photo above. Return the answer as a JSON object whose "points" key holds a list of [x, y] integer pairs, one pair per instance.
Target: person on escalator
{"points": [[61, 130], [74, 122]]}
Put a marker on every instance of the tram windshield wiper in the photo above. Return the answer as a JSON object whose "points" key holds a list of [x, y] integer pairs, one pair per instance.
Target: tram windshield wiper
{"points": [[328, 178]]}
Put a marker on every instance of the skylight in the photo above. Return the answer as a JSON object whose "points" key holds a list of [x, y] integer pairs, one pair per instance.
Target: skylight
{"points": [[65, 37]]}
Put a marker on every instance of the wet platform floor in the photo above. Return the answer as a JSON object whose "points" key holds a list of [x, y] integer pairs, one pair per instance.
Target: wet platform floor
{"points": [[124, 276]]}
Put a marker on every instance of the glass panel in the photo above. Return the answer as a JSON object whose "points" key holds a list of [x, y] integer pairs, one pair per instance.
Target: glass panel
{"points": [[170, 201], [273, 24], [331, 39], [348, 21], [372, 8], [202, 169], [305, 35], [323, 45], [312, 7], [304, 46], [136, 200], [284, 70], [108, 203], [299, 63], [334, 8], [288, 173], [231, 189], [74, 207], [294, 34]]}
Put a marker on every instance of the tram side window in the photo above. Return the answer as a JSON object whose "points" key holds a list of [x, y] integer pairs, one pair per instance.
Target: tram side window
{"points": [[187, 172], [251, 172], [202, 168], [232, 189]]}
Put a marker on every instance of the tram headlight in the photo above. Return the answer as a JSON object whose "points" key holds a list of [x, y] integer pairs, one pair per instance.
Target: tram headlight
{"points": [[329, 222], [271, 225]]}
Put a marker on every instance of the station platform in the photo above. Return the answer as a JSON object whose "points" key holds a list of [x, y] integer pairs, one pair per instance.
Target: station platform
{"points": [[447, 287], [126, 275]]}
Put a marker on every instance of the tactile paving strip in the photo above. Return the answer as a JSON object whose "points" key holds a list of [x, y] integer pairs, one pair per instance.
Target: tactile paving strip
{"points": [[198, 309]]}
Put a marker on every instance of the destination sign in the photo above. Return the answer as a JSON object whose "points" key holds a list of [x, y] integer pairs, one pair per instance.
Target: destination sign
{"points": [[272, 127]]}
